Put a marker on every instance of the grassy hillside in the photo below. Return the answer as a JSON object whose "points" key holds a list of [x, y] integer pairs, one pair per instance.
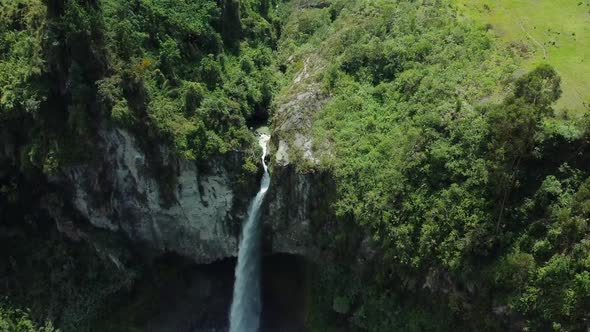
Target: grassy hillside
{"points": [[552, 31]]}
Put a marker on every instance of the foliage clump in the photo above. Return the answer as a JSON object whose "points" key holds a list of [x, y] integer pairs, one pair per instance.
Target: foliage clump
{"points": [[22, 28], [445, 181], [191, 72], [15, 320]]}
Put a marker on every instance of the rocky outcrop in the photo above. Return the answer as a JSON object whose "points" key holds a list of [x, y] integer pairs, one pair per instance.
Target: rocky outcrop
{"points": [[170, 204], [198, 218], [297, 210], [199, 215], [136, 195]]}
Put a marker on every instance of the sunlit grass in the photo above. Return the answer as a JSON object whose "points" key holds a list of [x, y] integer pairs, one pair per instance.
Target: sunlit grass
{"points": [[552, 31]]}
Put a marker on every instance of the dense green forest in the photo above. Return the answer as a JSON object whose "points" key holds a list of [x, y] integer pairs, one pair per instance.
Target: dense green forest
{"points": [[471, 191], [191, 74], [481, 200]]}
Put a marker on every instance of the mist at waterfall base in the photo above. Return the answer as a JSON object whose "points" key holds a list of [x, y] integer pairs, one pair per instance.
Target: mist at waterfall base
{"points": [[246, 303]]}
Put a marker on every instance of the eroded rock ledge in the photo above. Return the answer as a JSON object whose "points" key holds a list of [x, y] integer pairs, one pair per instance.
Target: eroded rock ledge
{"points": [[198, 217]]}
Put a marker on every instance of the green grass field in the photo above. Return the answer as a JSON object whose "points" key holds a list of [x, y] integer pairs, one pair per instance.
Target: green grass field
{"points": [[552, 31]]}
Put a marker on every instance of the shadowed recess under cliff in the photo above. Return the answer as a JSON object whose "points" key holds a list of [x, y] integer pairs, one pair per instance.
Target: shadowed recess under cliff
{"points": [[196, 297]]}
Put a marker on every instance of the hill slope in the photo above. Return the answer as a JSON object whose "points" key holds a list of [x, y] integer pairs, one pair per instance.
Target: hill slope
{"points": [[552, 31]]}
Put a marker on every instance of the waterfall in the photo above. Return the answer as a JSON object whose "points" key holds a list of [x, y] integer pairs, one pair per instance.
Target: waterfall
{"points": [[246, 303]]}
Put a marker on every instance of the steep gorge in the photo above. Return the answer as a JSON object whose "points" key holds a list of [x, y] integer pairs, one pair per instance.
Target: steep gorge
{"points": [[141, 214]]}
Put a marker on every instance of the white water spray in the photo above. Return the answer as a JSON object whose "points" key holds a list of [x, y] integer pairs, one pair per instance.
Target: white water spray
{"points": [[246, 304]]}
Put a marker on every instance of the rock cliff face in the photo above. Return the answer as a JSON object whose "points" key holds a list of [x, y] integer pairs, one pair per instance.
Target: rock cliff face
{"points": [[148, 196], [299, 201], [196, 210], [297, 207], [299, 198], [198, 214], [197, 217]]}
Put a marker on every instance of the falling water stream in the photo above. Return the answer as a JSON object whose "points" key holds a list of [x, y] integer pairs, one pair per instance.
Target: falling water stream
{"points": [[246, 304]]}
